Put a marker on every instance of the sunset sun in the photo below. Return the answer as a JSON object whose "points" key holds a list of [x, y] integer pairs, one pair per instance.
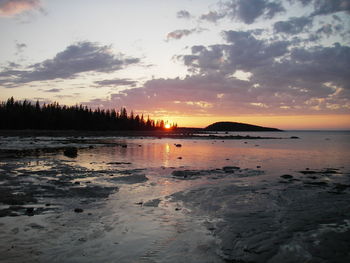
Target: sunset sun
{"points": [[167, 126]]}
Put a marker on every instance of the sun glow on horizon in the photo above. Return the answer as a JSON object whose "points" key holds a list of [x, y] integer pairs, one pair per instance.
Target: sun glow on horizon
{"points": [[291, 122]]}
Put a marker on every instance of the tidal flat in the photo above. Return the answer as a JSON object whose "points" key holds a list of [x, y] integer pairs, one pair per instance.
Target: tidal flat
{"points": [[108, 198]]}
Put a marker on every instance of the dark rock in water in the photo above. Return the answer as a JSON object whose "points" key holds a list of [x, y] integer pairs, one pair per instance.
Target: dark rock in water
{"points": [[152, 203], [294, 137], [78, 210], [316, 183], [230, 169], [286, 176], [91, 147], [258, 166], [179, 158], [8, 197], [118, 163], [30, 211], [308, 172], [71, 152], [124, 146], [178, 145], [186, 174]]}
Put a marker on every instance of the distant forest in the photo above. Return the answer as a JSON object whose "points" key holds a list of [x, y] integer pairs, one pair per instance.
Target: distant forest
{"points": [[25, 115]]}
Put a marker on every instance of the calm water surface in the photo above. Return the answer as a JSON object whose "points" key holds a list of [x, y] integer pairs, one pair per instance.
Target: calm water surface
{"points": [[314, 150]]}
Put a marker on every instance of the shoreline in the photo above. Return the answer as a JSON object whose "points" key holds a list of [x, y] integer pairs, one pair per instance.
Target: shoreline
{"points": [[178, 134]]}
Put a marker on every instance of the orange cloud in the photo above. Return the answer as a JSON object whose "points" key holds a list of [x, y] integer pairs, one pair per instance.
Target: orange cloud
{"points": [[14, 7]]}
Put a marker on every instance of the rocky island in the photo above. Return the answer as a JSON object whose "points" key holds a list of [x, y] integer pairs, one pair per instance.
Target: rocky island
{"points": [[237, 126]]}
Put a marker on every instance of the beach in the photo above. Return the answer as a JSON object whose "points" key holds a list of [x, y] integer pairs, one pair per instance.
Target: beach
{"points": [[206, 197]]}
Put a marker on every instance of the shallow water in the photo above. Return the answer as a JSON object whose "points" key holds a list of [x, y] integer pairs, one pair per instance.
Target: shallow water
{"points": [[136, 208]]}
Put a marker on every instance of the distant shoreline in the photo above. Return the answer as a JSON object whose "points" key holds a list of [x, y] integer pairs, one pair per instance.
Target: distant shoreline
{"points": [[186, 133]]}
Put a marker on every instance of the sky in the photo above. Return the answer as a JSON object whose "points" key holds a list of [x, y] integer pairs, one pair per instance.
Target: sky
{"points": [[277, 63]]}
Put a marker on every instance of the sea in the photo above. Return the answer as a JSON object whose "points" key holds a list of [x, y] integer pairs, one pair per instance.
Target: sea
{"points": [[284, 198]]}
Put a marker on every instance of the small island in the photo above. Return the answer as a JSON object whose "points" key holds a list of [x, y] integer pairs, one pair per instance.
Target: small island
{"points": [[236, 126]]}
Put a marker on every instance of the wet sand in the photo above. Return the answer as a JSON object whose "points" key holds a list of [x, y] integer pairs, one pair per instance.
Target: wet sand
{"points": [[100, 207]]}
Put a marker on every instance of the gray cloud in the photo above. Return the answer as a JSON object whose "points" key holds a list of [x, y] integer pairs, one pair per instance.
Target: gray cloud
{"points": [[78, 58], [20, 47], [325, 7], [248, 11], [293, 25], [116, 82], [53, 90], [180, 33], [284, 80], [303, 2], [212, 16], [183, 14], [14, 7], [243, 52]]}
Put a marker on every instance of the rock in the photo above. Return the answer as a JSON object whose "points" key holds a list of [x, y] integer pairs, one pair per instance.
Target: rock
{"points": [[178, 145], [78, 210], [71, 152], [294, 137], [230, 169], [152, 203], [258, 166], [286, 176], [307, 171], [124, 146], [179, 158], [30, 211]]}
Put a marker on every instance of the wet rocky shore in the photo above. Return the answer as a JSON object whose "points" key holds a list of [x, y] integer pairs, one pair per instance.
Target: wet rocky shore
{"points": [[63, 204]]}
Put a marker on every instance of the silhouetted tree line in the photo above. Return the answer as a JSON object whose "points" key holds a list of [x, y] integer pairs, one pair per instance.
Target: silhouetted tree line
{"points": [[25, 115]]}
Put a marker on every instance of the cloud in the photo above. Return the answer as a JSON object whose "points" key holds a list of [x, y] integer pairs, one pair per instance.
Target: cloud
{"points": [[75, 59], [116, 82], [303, 2], [248, 11], [20, 47], [325, 7], [243, 52], [180, 33], [293, 25], [183, 14], [13, 7], [53, 90], [281, 78], [212, 16]]}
